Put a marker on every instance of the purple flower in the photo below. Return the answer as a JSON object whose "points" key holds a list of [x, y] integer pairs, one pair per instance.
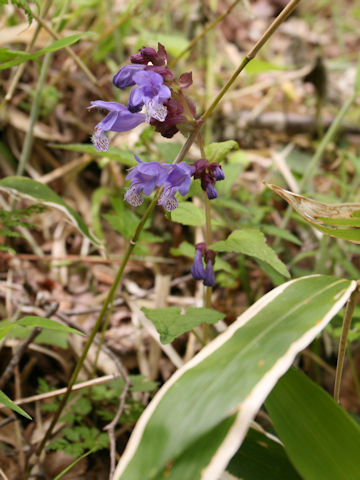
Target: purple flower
{"points": [[209, 174], [124, 77], [120, 119], [197, 269], [178, 180], [150, 91], [211, 191], [209, 277], [145, 177], [217, 171]]}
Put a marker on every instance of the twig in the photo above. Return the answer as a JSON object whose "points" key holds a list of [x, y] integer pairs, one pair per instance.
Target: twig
{"points": [[56, 393], [21, 350], [110, 428]]}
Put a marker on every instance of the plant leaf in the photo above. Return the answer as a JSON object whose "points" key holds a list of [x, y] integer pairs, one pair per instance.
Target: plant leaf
{"points": [[321, 439], [124, 157], [340, 220], [34, 321], [261, 457], [5, 400], [57, 45], [250, 241], [170, 322], [232, 374], [35, 190], [188, 214], [217, 151]]}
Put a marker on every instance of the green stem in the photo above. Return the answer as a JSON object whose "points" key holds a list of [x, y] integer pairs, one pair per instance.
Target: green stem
{"points": [[99, 320], [350, 307], [252, 54]]}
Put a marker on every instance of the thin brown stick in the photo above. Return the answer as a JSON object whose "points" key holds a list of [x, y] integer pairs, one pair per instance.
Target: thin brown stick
{"points": [[110, 428]]}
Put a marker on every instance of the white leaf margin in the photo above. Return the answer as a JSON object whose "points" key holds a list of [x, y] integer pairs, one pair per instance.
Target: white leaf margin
{"points": [[248, 408]]}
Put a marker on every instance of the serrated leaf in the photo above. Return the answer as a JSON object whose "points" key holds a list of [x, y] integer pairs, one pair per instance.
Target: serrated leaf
{"points": [[321, 438], [340, 220], [35, 190], [250, 241], [5, 400], [188, 214], [231, 376], [124, 157], [217, 151], [171, 322], [57, 45], [33, 321]]}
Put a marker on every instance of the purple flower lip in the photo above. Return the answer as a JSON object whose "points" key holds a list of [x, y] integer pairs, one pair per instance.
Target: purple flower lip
{"points": [[145, 177], [120, 119], [178, 180], [149, 90]]}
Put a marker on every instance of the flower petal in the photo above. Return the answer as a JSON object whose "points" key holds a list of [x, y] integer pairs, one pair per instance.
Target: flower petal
{"points": [[124, 77]]}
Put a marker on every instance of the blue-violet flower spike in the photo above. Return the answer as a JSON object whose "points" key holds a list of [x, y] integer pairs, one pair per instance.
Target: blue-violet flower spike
{"points": [[197, 269], [120, 119], [124, 77], [145, 177], [209, 277]]}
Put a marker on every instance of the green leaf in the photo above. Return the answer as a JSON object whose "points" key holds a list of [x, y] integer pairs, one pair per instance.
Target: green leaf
{"points": [[321, 439], [33, 321], [185, 249], [340, 220], [217, 151], [233, 374], [57, 45], [5, 400], [260, 457], [125, 157], [260, 66], [281, 233], [250, 241], [170, 322], [35, 190], [188, 214]]}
